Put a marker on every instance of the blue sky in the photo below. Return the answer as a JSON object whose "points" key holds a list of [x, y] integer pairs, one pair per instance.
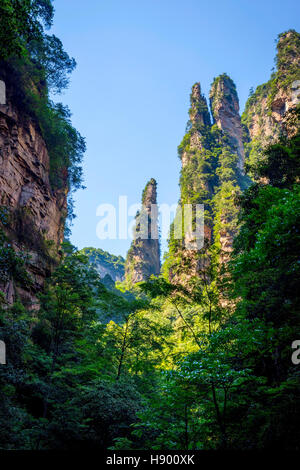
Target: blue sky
{"points": [[129, 96]]}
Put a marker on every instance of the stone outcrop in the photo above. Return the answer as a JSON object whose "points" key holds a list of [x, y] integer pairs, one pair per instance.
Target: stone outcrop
{"points": [[224, 104], [199, 114], [143, 257], [266, 109], [212, 174], [199, 119], [213, 156], [36, 213], [196, 188], [195, 146]]}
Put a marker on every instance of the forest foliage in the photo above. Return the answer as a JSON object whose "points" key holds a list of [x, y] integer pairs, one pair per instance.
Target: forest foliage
{"points": [[183, 366], [35, 67], [204, 364]]}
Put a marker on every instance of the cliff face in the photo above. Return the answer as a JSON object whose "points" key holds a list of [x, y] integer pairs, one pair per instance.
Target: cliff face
{"points": [[264, 115], [35, 212], [193, 152], [106, 264], [212, 159], [213, 156], [224, 104], [143, 257], [199, 119], [196, 187]]}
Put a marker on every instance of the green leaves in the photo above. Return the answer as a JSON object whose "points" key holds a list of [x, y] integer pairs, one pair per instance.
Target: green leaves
{"points": [[33, 65], [280, 163]]}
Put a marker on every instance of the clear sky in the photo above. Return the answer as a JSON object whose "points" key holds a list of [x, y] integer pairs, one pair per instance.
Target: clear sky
{"points": [[137, 61]]}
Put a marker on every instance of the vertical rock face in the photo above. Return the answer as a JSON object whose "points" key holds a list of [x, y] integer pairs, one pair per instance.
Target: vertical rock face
{"points": [[194, 154], [224, 104], [199, 114], [200, 123], [35, 212], [143, 257], [212, 165], [213, 156], [266, 108], [196, 187], [199, 119]]}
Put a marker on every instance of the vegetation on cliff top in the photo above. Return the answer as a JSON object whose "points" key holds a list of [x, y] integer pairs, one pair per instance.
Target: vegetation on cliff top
{"points": [[33, 65], [259, 103], [287, 69]]}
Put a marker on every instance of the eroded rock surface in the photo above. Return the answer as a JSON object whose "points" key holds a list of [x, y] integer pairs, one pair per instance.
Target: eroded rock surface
{"points": [[225, 110], [36, 213]]}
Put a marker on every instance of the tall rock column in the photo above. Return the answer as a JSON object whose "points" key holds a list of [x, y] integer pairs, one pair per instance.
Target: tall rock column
{"points": [[143, 257], [196, 189], [199, 120], [213, 156], [197, 180], [224, 104], [212, 171]]}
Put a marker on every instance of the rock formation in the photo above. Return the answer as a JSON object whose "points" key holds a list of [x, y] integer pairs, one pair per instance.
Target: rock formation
{"points": [[196, 183], [199, 119], [212, 170], [266, 108], [36, 213], [224, 104], [213, 156], [143, 257]]}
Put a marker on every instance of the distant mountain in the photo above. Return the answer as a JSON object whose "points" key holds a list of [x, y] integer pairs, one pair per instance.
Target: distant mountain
{"points": [[105, 263]]}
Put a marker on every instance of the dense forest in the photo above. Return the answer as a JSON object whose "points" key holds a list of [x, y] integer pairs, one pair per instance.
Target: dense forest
{"points": [[198, 361]]}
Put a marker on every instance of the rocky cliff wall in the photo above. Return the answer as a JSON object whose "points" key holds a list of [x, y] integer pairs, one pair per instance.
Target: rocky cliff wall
{"points": [[36, 213], [267, 107], [214, 156]]}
